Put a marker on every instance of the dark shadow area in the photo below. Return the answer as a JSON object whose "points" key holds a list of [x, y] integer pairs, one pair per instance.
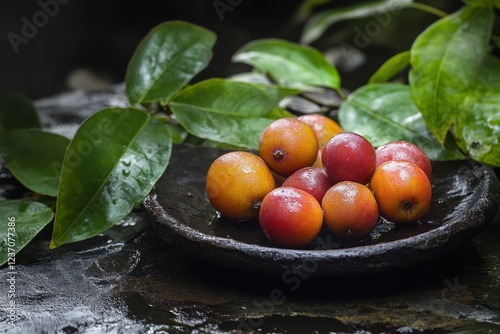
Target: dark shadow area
{"points": [[45, 43]]}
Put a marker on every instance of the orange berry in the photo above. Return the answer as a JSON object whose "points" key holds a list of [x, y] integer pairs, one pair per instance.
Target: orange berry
{"points": [[287, 145], [350, 210], [290, 217], [236, 184], [402, 190], [324, 127]]}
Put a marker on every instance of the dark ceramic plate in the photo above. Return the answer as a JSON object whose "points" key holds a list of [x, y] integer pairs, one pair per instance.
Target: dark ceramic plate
{"points": [[466, 196]]}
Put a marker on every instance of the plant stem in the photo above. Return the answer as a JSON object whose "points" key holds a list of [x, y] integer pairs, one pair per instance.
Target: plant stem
{"points": [[428, 9], [341, 94]]}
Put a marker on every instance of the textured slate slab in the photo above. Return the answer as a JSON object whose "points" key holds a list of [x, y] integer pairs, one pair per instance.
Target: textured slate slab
{"points": [[129, 280]]}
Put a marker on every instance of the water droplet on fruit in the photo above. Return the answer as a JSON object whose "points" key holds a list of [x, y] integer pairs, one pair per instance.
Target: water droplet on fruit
{"points": [[126, 172]]}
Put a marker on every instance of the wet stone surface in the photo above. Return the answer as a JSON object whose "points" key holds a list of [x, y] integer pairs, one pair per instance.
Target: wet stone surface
{"points": [[129, 280]]}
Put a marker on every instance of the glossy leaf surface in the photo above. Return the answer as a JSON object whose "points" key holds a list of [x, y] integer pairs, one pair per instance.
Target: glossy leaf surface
{"points": [[227, 111], [386, 112], [166, 60], [289, 64], [391, 67], [21, 222], [445, 60], [318, 24], [111, 164], [34, 157], [477, 130]]}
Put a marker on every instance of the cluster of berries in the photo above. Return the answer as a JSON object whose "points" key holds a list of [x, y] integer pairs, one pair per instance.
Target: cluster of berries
{"points": [[309, 173]]}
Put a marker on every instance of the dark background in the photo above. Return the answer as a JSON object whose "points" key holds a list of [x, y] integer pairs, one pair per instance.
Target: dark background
{"points": [[101, 36]]}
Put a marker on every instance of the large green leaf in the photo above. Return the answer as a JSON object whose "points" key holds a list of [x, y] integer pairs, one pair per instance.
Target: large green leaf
{"points": [[168, 57], [289, 64], [445, 60], [21, 222], [226, 111], [391, 67], [112, 163], [34, 157], [18, 112], [318, 24], [385, 112], [477, 130]]}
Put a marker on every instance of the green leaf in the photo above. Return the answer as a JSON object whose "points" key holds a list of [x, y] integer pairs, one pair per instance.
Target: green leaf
{"points": [[385, 112], [18, 112], [445, 60], [260, 81], [318, 24], [289, 64], [111, 164], [34, 157], [177, 133], [21, 222], [168, 57], [391, 67], [225, 111], [483, 3], [477, 130]]}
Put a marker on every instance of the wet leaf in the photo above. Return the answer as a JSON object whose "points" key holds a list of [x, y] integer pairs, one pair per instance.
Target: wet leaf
{"points": [[318, 24], [168, 57], [226, 111], [21, 222], [385, 112], [34, 157], [18, 112], [289, 64], [477, 130], [112, 163], [445, 60], [177, 133], [391, 67]]}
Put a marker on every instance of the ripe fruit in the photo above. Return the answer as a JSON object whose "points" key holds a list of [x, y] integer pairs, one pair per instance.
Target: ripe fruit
{"points": [[350, 210], [349, 157], [403, 150], [287, 145], [313, 180], [236, 184], [402, 190], [324, 127], [290, 217]]}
